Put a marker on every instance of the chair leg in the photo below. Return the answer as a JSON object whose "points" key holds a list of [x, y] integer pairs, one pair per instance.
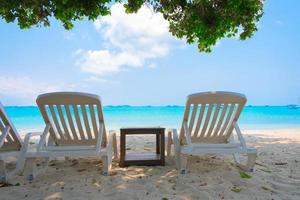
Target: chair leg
{"points": [[20, 166], [169, 144], [67, 158], [177, 161], [249, 165], [115, 147], [30, 164], [177, 156], [107, 160], [46, 163], [183, 163], [3, 173], [251, 161]]}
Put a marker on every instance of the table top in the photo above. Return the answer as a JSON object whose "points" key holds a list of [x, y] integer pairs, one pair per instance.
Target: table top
{"points": [[142, 128]]}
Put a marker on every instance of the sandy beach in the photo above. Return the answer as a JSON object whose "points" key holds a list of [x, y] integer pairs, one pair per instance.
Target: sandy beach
{"points": [[277, 175]]}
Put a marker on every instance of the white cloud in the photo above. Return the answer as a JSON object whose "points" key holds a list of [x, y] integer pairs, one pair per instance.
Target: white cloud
{"points": [[152, 65], [279, 22], [95, 79], [24, 89], [22, 86], [133, 40], [68, 35]]}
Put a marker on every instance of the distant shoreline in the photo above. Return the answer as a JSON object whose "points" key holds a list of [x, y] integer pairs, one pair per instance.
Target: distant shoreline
{"points": [[291, 106]]}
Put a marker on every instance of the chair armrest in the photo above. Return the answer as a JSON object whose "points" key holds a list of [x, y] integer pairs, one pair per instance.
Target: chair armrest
{"points": [[31, 134], [43, 137], [112, 144], [27, 139], [169, 132], [172, 131]]}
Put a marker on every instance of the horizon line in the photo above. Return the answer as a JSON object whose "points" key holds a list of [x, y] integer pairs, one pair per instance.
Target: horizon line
{"points": [[168, 105]]}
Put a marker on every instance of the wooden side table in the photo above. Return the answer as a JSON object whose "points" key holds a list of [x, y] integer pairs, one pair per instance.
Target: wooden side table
{"points": [[147, 159]]}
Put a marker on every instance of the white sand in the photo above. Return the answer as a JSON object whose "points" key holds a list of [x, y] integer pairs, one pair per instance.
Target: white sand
{"points": [[277, 176]]}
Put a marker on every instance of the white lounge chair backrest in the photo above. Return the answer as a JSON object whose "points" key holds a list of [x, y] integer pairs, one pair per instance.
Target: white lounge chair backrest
{"points": [[74, 118], [9, 138], [210, 117]]}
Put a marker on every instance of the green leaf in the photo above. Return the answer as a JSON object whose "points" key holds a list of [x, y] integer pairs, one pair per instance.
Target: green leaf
{"points": [[236, 189], [245, 175]]}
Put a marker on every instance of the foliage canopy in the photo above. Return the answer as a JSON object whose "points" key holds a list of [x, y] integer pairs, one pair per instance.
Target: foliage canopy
{"points": [[198, 21]]}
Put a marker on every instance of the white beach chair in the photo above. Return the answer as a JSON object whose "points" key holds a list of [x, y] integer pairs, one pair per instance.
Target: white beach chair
{"points": [[74, 128], [207, 128], [10, 144]]}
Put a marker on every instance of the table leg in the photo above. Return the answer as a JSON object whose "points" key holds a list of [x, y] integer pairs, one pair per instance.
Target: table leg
{"points": [[122, 149], [158, 143], [162, 144]]}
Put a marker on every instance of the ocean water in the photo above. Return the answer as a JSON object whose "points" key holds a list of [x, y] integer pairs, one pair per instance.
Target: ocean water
{"points": [[28, 118]]}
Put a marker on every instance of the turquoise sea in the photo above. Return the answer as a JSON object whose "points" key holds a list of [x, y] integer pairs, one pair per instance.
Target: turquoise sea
{"points": [[28, 118]]}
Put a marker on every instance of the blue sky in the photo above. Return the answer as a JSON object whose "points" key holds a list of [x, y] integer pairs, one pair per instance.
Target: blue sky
{"points": [[133, 60]]}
